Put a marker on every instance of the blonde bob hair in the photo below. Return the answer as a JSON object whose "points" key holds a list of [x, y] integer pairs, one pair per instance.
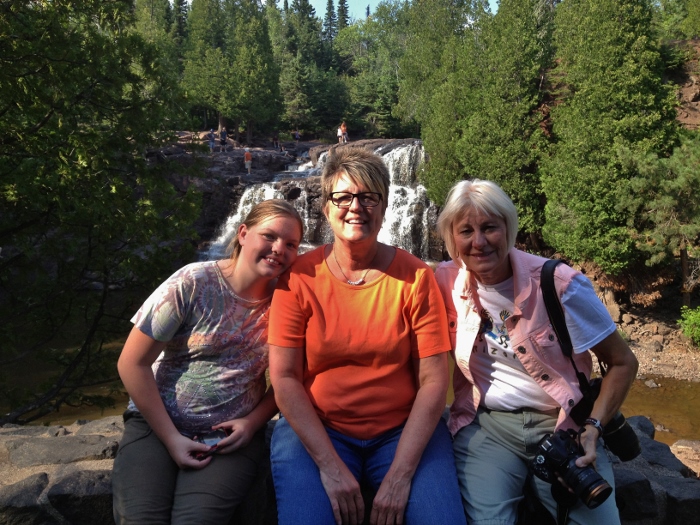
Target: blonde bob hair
{"points": [[484, 196], [361, 166], [261, 212]]}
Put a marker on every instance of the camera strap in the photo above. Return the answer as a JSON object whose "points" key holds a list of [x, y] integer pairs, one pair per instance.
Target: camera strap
{"points": [[556, 317]]}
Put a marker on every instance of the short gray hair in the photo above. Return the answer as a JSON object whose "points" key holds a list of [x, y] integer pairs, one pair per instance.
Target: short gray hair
{"points": [[486, 197]]}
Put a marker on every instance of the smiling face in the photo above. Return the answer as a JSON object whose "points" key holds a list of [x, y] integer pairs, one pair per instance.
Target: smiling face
{"points": [[355, 223], [481, 241], [271, 246]]}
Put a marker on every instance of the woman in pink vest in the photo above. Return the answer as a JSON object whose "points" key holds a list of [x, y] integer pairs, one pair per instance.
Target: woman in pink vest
{"points": [[513, 385]]}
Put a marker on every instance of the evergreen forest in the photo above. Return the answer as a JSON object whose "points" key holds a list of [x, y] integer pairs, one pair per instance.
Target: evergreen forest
{"points": [[570, 105]]}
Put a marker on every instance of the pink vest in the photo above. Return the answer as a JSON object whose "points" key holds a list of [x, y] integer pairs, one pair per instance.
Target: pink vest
{"points": [[531, 335]]}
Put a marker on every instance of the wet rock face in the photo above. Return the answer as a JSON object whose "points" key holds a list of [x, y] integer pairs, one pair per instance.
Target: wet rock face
{"points": [[69, 479]]}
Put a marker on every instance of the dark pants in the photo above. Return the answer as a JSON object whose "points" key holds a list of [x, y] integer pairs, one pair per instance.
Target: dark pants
{"points": [[149, 488]]}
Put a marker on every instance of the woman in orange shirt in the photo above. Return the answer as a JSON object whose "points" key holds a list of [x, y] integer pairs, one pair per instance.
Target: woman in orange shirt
{"points": [[358, 361]]}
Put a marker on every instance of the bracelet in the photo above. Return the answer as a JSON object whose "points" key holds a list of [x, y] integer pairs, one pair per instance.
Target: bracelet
{"points": [[594, 423]]}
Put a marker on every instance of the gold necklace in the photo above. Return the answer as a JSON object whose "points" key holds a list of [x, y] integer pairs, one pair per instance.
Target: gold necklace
{"points": [[361, 280]]}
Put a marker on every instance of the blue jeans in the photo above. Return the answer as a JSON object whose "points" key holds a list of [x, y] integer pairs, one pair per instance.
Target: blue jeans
{"points": [[301, 498]]}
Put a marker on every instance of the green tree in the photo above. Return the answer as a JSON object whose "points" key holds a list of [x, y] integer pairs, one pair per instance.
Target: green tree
{"points": [[330, 23], [343, 14], [500, 130], [443, 39], [178, 30], [209, 78], [614, 100], [257, 100], [691, 24], [370, 52], [88, 224], [662, 197]]}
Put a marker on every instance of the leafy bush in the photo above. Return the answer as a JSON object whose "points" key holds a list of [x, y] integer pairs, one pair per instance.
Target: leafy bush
{"points": [[690, 323]]}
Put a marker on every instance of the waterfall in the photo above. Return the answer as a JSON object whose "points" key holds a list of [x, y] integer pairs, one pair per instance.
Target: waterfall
{"points": [[408, 221]]}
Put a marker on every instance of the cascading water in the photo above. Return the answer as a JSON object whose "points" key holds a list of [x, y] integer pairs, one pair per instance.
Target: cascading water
{"points": [[407, 223]]}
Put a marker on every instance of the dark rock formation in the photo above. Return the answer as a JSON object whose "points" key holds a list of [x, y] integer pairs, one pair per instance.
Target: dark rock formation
{"points": [[69, 481]]}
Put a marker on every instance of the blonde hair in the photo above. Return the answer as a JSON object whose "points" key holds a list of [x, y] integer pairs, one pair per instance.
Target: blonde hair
{"points": [[361, 166], [486, 197], [261, 212]]}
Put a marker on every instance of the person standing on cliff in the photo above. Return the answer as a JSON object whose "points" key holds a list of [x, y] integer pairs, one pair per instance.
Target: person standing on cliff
{"points": [[194, 363], [212, 140], [248, 159]]}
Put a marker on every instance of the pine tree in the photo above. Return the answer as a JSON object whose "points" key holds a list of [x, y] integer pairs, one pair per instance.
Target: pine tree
{"points": [[330, 23], [614, 100], [179, 27], [434, 85], [208, 78], [663, 197], [370, 52], [250, 50], [500, 127], [343, 15]]}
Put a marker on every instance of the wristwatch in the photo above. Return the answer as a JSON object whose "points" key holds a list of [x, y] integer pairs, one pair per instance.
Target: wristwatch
{"points": [[594, 423]]}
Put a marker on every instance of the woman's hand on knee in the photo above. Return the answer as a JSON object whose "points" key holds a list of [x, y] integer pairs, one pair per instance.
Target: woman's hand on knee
{"points": [[344, 493], [389, 504]]}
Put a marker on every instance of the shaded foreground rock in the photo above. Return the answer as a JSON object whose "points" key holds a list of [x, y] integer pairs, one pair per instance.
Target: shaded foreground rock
{"points": [[72, 485]]}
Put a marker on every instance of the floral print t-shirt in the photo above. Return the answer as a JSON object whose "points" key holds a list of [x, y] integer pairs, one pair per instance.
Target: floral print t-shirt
{"points": [[213, 368]]}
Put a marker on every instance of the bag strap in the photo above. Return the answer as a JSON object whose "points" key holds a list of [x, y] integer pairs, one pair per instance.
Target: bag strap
{"points": [[556, 317]]}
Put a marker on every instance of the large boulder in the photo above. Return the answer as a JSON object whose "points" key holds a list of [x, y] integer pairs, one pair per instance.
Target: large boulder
{"points": [[62, 475]]}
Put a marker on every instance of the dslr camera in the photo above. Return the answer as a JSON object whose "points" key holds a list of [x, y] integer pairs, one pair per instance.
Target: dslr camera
{"points": [[556, 456], [618, 435]]}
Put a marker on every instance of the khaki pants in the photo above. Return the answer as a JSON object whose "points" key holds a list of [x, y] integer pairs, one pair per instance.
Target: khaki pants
{"points": [[149, 488], [492, 455]]}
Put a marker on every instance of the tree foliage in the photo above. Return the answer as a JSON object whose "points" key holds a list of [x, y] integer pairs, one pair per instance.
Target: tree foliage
{"points": [[370, 51], [615, 101], [85, 223], [500, 122]]}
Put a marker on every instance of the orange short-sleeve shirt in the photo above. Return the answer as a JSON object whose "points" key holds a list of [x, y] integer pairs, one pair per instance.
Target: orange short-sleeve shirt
{"points": [[360, 341]]}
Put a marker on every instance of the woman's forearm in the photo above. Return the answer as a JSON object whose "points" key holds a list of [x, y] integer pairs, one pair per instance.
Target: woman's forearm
{"points": [[622, 370], [295, 406], [425, 414]]}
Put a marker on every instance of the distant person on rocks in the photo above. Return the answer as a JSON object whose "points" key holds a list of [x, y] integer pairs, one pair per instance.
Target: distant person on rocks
{"points": [[248, 159], [276, 140], [340, 135], [297, 136], [222, 137], [344, 130], [195, 362], [212, 140]]}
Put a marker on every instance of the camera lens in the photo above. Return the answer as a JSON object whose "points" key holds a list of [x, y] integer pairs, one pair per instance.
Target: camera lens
{"points": [[621, 439], [587, 484]]}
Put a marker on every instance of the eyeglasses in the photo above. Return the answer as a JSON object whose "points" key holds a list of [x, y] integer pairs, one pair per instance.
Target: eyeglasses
{"points": [[368, 199]]}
